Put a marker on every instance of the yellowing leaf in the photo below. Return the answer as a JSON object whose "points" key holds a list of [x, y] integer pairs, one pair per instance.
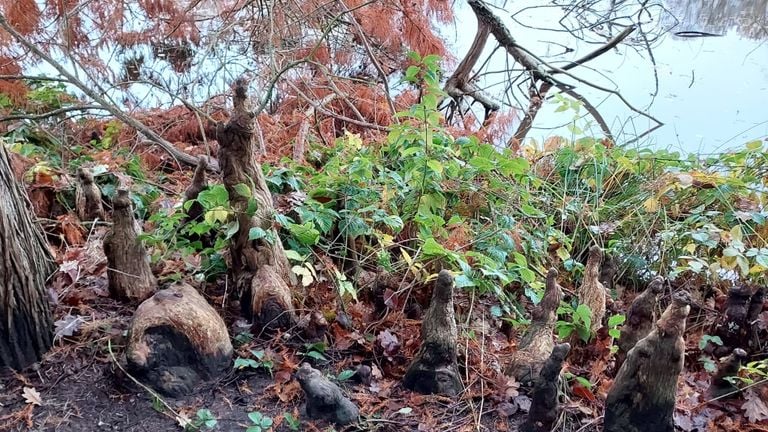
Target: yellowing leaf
{"points": [[218, 214], [690, 248], [353, 139], [32, 396], [651, 205], [736, 233]]}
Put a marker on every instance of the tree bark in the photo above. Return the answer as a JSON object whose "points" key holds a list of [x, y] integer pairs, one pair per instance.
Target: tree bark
{"points": [[642, 398], [259, 266], [26, 324]]}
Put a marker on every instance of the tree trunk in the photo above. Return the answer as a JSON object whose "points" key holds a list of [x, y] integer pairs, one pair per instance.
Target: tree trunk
{"points": [[259, 264], [26, 263], [591, 292]]}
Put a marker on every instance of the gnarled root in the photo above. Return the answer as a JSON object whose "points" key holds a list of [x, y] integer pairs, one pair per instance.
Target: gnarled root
{"points": [[720, 386]]}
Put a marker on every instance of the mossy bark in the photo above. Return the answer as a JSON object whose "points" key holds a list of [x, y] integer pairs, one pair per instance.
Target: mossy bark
{"points": [[642, 398], [177, 340], [26, 325], [434, 369], [537, 342], [130, 277], [545, 407], [259, 266]]}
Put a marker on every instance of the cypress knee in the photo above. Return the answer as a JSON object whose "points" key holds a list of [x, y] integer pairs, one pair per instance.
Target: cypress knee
{"points": [[177, 340], [88, 197], [720, 386], [260, 267], [544, 405], [434, 370], [642, 398], [640, 319], [591, 292], [537, 343], [324, 398], [130, 277]]}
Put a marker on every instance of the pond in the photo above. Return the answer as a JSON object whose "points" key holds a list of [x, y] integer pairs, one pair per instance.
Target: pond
{"points": [[712, 85]]}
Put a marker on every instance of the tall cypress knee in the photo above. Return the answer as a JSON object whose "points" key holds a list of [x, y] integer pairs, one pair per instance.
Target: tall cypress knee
{"points": [[434, 369], [642, 398]]}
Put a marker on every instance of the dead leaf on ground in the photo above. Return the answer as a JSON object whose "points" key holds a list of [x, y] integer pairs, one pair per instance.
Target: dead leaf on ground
{"points": [[68, 325], [32, 396], [754, 408]]}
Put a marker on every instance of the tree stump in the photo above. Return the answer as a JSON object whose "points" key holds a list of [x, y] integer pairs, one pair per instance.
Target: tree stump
{"points": [[537, 343], [177, 340], [88, 197], [545, 408], [26, 328], [259, 266], [640, 319], [130, 277], [324, 398], [591, 292], [642, 398], [721, 387], [434, 369]]}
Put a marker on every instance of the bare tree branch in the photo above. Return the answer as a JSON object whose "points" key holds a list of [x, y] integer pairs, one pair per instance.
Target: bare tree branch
{"points": [[113, 109], [49, 114]]}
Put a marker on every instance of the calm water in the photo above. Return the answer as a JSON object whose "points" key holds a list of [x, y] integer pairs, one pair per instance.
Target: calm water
{"points": [[712, 91]]}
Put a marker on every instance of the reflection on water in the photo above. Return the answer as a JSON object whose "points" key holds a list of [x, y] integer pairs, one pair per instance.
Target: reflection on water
{"points": [[748, 17], [709, 91]]}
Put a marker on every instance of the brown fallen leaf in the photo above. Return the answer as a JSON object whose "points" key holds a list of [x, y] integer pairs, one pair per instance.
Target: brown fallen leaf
{"points": [[32, 396], [754, 407]]}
